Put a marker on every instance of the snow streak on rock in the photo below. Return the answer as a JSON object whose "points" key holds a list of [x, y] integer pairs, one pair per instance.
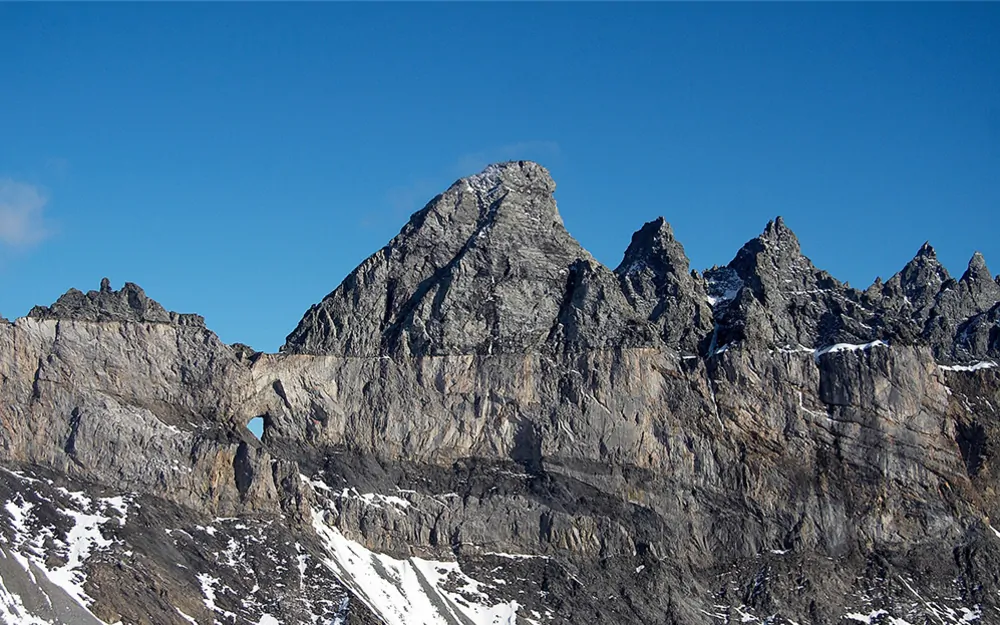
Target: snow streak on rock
{"points": [[413, 591]]}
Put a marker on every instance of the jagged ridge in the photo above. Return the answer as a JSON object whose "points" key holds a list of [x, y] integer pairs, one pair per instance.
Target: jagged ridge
{"points": [[129, 303], [520, 470], [487, 267]]}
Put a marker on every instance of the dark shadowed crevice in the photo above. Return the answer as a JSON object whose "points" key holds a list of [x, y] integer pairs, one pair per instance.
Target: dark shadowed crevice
{"points": [[971, 439], [528, 448], [243, 469]]}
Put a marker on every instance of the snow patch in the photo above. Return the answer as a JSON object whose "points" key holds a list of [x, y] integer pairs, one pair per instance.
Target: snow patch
{"points": [[316, 484], [208, 584], [375, 500], [12, 609], [207, 529], [723, 286], [865, 618], [514, 556], [847, 347], [81, 540], [413, 591], [635, 267], [40, 548], [986, 364]]}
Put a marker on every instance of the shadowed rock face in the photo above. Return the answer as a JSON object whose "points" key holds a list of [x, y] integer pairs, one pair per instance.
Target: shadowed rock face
{"points": [[771, 295], [481, 397], [658, 284]]}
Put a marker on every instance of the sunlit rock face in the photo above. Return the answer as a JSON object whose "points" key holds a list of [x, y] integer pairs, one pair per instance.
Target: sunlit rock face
{"points": [[484, 425]]}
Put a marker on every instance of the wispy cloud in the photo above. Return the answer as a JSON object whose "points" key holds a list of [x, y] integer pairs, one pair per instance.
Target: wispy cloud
{"points": [[411, 196], [523, 150], [22, 214], [402, 200]]}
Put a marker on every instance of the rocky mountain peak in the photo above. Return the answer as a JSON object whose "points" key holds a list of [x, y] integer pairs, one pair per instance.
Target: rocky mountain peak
{"points": [[773, 296], [130, 303], [481, 269], [977, 269], [773, 262], [523, 176], [776, 231], [655, 247], [977, 290], [656, 279], [921, 279]]}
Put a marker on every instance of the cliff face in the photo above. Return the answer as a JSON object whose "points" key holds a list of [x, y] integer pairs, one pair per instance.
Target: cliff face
{"points": [[482, 424]]}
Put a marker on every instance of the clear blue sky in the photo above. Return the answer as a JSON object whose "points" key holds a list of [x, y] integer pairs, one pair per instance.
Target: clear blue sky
{"points": [[239, 160]]}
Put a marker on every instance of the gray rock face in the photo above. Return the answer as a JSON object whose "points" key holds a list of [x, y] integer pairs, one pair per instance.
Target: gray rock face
{"points": [[771, 295], [656, 279], [128, 304], [922, 303], [481, 269], [482, 424]]}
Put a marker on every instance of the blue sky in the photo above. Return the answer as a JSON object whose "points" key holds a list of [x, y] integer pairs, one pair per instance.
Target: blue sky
{"points": [[238, 160]]}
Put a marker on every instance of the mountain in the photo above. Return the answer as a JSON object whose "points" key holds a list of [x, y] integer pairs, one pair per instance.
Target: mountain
{"points": [[483, 425]]}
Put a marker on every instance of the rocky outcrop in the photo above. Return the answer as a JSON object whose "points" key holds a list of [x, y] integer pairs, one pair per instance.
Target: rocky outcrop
{"points": [[771, 295], [658, 283], [482, 269], [923, 304], [128, 304], [482, 424]]}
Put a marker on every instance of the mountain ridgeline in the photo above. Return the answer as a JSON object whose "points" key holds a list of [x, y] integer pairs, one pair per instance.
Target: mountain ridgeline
{"points": [[484, 425], [487, 267]]}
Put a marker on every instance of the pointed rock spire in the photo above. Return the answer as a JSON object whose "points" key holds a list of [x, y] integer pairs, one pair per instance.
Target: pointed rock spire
{"points": [[926, 250], [977, 269], [777, 232], [772, 295], [977, 290], [773, 262], [919, 282], [654, 247], [482, 269], [656, 278]]}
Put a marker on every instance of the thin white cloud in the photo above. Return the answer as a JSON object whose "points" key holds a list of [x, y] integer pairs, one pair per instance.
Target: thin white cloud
{"points": [[541, 151], [404, 199], [416, 194], [22, 214]]}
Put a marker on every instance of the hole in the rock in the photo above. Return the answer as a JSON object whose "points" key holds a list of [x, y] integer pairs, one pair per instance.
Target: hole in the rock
{"points": [[256, 426]]}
